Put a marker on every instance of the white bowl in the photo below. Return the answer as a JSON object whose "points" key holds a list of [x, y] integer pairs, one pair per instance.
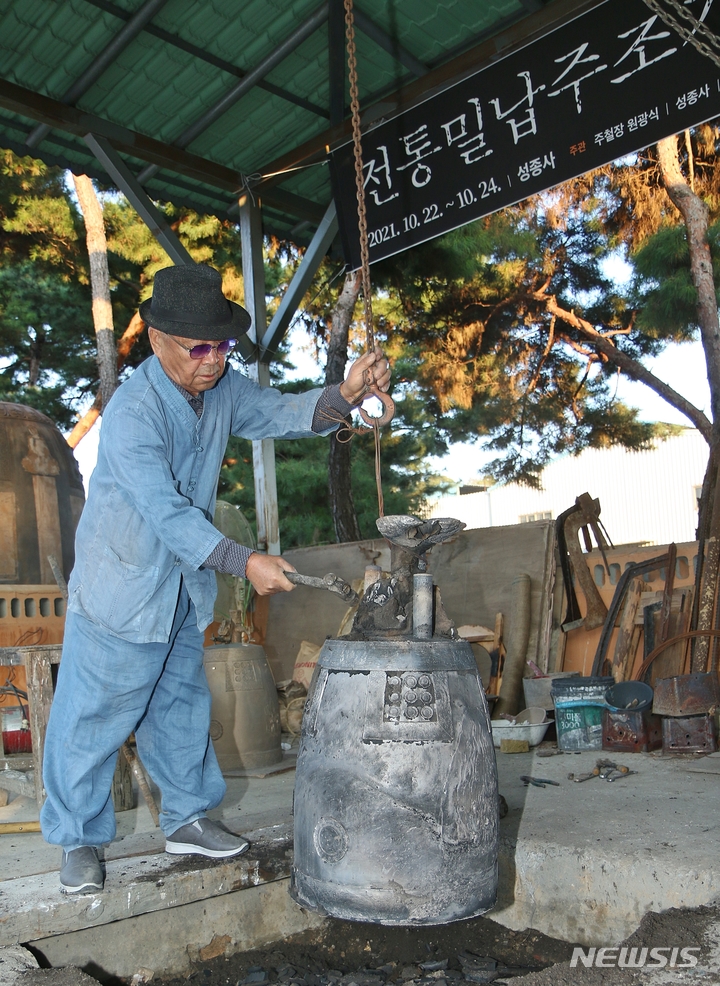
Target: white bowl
{"points": [[532, 732], [531, 717]]}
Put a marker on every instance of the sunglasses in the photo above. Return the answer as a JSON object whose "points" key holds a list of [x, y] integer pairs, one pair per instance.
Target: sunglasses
{"points": [[205, 348]]}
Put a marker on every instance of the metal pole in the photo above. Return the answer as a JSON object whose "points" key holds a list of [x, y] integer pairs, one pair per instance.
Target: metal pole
{"points": [[138, 198], [268, 527], [295, 291]]}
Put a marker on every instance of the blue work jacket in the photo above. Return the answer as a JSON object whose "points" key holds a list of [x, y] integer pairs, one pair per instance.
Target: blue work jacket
{"points": [[151, 499]]}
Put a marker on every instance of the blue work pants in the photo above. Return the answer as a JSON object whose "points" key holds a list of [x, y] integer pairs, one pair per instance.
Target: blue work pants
{"points": [[106, 689]]}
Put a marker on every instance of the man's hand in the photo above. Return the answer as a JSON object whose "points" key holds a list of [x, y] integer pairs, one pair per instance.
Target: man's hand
{"points": [[370, 372], [265, 572]]}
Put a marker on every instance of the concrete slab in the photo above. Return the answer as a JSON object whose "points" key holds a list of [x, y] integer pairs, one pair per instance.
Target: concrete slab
{"points": [[584, 862], [170, 941], [707, 765]]}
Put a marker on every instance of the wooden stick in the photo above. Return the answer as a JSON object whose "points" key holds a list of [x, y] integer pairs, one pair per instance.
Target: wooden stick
{"points": [[14, 828], [139, 775], [629, 662], [625, 631]]}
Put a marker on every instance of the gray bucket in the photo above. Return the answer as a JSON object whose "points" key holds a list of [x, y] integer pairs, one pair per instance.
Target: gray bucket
{"points": [[537, 690], [396, 806]]}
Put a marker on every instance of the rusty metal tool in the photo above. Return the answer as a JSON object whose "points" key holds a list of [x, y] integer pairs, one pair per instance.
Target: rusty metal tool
{"points": [[537, 781], [585, 514], [331, 582], [639, 568], [579, 778], [572, 613], [628, 634], [591, 510], [667, 593], [615, 775], [604, 768]]}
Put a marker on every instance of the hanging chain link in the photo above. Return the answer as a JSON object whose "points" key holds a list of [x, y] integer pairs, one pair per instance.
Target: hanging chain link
{"points": [[690, 35], [389, 407], [359, 184]]}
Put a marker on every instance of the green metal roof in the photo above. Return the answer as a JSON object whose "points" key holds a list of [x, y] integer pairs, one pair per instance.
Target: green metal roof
{"points": [[165, 93]]}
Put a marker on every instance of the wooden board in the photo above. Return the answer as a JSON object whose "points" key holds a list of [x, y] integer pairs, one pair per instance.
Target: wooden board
{"points": [[33, 907]]}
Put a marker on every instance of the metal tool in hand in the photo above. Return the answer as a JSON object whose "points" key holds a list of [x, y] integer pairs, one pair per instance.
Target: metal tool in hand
{"points": [[385, 399], [537, 781], [331, 582]]}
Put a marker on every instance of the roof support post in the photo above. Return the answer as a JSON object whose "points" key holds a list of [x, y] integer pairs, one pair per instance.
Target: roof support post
{"points": [[319, 246], [266, 505]]}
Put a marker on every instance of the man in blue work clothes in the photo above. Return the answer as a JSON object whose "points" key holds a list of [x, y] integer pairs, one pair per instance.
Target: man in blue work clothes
{"points": [[143, 586]]}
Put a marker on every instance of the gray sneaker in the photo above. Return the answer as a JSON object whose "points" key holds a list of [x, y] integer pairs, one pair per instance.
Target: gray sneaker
{"points": [[204, 837], [81, 870]]}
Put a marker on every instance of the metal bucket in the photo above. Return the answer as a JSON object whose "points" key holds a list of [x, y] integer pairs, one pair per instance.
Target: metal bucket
{"points": [[396, 805], [687, 694], [245, 717]]}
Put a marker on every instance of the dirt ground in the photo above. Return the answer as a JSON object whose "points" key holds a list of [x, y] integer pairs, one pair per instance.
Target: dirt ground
{"points": [[477, 951]]}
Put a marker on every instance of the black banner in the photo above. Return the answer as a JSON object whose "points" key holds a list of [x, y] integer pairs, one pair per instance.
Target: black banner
{"points": [[606, 84]]}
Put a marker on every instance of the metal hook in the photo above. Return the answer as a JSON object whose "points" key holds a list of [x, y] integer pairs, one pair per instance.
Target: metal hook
{"points": [[388, 412]]}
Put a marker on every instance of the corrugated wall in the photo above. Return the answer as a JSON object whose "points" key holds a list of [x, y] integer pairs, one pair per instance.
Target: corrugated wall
{"points": [[644, 496]]}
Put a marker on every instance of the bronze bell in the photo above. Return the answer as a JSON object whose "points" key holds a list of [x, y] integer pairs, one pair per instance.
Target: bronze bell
{"points": [[396, 803]]}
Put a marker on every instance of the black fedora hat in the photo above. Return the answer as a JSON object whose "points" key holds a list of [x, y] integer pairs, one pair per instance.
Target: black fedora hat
{"points": [[188, 301]]}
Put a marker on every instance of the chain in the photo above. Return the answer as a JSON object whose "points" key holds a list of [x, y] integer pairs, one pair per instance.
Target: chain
{"points": [[690, 36], [362, 223], [359, 184]]}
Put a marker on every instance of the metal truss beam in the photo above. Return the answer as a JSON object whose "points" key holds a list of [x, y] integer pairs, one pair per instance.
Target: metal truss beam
{"points": [[336, 60], [58, 115], [177, 42], [383, 40], [319, 246], [136, 195]]}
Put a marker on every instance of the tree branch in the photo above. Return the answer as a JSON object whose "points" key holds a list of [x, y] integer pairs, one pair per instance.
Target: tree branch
{"points": [[695, 215], [125, 344], [629, 366]]}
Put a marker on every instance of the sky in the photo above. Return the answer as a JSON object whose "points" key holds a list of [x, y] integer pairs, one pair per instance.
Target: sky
{"points": [[680, 366]]}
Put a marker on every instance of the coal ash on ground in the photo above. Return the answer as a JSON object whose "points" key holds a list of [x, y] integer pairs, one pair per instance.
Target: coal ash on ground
{"points": [[341, 953]]}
